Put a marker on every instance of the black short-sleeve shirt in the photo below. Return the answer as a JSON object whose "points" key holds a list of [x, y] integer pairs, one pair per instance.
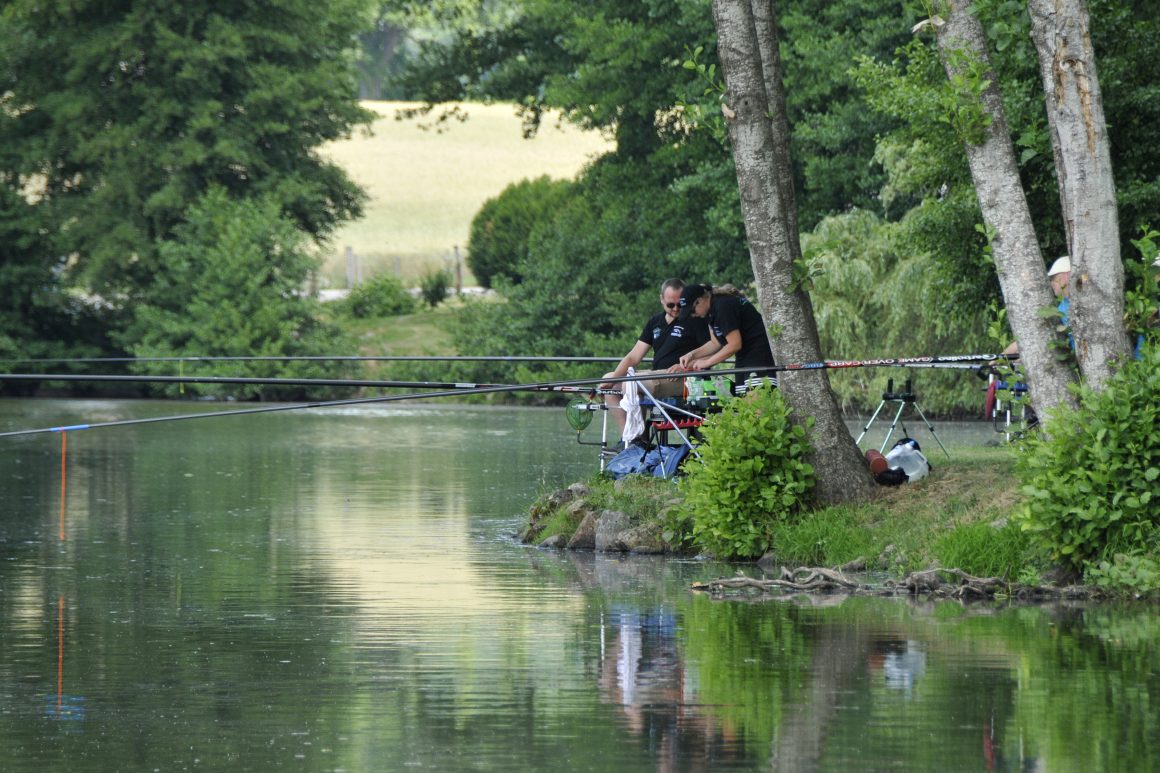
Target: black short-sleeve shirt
{"points": [[670, 342], [733, 312]]}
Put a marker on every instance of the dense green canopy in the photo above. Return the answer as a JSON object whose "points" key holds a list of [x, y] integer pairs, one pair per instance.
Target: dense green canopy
{"points": [[117, 115]]}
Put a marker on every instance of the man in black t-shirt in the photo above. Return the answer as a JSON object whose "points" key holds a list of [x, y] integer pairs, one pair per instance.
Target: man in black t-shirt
{"points": [[669, 340]]}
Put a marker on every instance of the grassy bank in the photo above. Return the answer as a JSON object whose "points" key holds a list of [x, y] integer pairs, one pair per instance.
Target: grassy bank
{"points": [[956, 517]]}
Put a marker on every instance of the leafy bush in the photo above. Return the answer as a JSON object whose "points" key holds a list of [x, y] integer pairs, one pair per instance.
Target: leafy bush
{"points": [[1126, 574], [234, 273], [753, 475], [383, 295], [1092, 480], [433, 286], [498, 243]]}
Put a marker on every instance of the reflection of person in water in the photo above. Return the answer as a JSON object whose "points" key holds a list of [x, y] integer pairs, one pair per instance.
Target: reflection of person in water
{"points": [[641, 671], [900, 661]]}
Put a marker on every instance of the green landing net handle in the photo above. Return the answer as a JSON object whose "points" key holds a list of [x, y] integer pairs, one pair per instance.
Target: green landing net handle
{"points": [[579, 417]]}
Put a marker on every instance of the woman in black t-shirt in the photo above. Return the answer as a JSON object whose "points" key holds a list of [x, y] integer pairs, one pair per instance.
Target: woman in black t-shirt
{"points": [[736, 326]]}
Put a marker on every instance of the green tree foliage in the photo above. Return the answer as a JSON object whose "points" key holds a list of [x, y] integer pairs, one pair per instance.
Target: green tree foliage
{"points": [[37, 319], [834, 134], [923, 156], [232, 284], [606, 64], [498, 244], [753, 475], [874, 298], [117, 115], [1092, 479], [380, 296]]}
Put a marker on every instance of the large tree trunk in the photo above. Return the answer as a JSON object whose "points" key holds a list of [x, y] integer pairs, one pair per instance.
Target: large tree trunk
{"points": [[1087, 189], [1018, 261], [749, 62]]}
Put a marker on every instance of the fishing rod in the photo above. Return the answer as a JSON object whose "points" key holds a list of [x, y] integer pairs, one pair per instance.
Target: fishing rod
{"points": [[902, 361], [591, 383], [960, 361], [316, 382], [314, 358], [486, 389], [968, 360]]}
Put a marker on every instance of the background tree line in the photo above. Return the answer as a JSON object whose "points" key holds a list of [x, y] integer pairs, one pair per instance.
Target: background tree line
{"points": [[890, 221], [125, 126]]}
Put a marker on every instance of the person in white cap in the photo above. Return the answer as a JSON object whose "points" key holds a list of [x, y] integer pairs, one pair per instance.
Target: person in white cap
{"points": [[1059, 275]]}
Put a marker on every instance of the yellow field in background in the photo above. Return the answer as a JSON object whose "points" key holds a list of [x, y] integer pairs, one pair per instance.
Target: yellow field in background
{"points": [[426, 185]]}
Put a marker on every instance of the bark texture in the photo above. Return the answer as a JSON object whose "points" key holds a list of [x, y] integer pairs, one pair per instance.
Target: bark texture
{"points": [[759, 133], [1018, 260], [1079, 138]]}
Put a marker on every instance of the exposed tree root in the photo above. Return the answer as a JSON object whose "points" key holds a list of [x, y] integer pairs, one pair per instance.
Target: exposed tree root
{"points": [[937, 582]]}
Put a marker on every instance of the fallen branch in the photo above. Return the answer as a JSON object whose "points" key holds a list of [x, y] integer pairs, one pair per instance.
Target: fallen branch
{"points": [[803, 579], [935, 582]]}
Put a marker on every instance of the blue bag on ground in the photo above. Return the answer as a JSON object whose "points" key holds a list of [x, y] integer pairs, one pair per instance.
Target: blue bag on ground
{"points": [[661, 462], [630, 461]]}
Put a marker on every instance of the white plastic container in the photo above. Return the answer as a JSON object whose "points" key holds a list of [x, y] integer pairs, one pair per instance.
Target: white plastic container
{"points": [[905, 455]]}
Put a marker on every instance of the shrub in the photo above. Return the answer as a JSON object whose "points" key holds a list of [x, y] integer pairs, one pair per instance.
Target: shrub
{"points": [[498, 243], [1126, 575], [383, 295], [433, 286], [1091, 480], [232, 285], [753, 475]]}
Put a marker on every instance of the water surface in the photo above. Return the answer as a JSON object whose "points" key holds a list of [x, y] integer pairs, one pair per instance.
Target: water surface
{"points": [[339, 589]]}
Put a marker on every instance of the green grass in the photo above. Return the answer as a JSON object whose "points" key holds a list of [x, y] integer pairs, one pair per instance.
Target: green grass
{"points": [[953, 518], [425, 185], [422, 333]]}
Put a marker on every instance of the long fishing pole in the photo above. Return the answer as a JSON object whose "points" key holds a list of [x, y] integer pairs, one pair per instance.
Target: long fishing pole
{"points": [[317, 382], [911, 362], [903, 361], [496, 388], [313, 358], [531, 387]]}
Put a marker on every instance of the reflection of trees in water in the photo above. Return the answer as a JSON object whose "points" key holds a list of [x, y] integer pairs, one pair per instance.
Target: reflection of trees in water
{"points": [[864, 683]]}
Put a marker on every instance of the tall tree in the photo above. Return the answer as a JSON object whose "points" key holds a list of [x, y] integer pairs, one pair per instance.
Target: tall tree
{"points": [[747, 47], [982, 126], [117, 114], [1087, 189]]}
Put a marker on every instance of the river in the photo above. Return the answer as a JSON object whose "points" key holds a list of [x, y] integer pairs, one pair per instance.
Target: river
{"points": [[339, 589]]}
